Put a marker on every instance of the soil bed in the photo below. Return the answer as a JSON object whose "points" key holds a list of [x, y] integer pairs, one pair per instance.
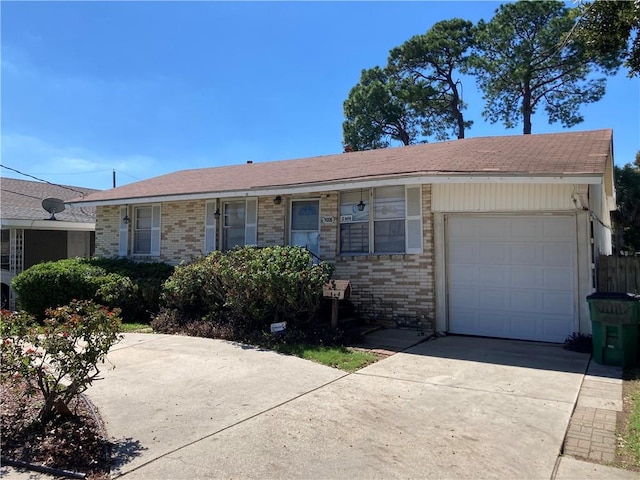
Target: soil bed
{"points": [[76, 443]]}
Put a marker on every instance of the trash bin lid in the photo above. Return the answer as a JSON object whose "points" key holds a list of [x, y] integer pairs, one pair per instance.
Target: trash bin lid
{"points": [[625, 297]]}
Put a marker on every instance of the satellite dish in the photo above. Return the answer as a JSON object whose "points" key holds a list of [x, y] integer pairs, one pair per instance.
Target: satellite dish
{"points": [[53, 206]]}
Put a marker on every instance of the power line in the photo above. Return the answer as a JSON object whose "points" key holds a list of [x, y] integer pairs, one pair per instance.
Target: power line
{"points": [[23, 194], [45, 181], [73, 173]]}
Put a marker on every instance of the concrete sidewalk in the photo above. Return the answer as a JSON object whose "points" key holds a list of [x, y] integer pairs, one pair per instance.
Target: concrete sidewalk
{"points": [[183, 407]]}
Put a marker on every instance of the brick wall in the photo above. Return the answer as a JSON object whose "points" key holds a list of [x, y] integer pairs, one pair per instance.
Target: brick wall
{"points": [[383, 286], [388, 286], [182, 225], [107, 231], [271, 222]]}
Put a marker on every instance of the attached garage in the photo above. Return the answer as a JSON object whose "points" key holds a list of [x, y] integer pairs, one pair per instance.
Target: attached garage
{"points": [[512, 276]]}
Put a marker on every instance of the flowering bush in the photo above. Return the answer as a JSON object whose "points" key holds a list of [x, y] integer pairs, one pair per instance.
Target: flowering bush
{"points": [[59, 359]]}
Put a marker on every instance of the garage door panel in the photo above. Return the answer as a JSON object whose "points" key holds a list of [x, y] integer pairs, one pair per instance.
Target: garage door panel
{"points": [[558, 278], [512, 277], [491, 323], [493, 276], [493, 253], [525, 326], [465, 297], [492, 228], [493, 299], [525, 277], [525, 301], [557, 302], [528, 229], [464, 252], [558, 228], [468, 275], [525, 254], [558, 254]]}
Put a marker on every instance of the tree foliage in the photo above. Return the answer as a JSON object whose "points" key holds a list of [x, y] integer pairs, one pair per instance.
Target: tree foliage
{"points": [[436, 58], [523, 64], [383, 106], [627, 217], [611, 31]]}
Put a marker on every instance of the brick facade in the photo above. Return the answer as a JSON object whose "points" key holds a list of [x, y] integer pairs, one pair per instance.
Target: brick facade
{"points": [[107, 231], [383, 286]]}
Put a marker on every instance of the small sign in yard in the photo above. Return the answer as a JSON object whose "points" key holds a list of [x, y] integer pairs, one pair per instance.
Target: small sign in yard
{"points": [[278, 327]]}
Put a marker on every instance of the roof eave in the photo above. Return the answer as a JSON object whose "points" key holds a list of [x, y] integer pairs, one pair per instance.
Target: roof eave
{"points": [[443, 177]]}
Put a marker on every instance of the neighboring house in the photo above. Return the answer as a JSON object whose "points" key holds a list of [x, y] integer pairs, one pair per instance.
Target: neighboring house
{"points": [[30, 236], [492, 236]]}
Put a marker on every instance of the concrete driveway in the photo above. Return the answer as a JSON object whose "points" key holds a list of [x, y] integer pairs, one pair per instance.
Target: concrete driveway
{"points": [[456, 407]]}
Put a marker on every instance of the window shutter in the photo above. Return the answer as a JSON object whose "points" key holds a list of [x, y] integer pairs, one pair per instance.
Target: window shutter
{"points": [[251, 222], [414, 219], [155, 230], [123, 247], [210, 227]]}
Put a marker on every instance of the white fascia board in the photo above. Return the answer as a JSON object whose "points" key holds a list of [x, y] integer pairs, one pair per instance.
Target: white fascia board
{"points": [[346, 185], [49, 225]]}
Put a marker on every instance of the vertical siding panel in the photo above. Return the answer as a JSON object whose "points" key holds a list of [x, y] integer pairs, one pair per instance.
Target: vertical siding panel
{"points": [[470, 197]]}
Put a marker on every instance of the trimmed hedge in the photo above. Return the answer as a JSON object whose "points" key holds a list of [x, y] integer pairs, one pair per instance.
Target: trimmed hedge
{"points": [[133, 287]]}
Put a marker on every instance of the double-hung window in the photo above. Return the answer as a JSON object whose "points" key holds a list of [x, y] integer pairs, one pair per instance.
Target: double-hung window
{"points": [[389, 222], [239, 223], [145, 230], [305, 225]]}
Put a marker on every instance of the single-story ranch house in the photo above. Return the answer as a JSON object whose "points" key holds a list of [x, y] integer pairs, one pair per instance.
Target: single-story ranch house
{"points": [[494, 236]]}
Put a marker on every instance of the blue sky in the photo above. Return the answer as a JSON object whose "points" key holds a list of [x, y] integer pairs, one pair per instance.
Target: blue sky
{"points": [[148, 88]]}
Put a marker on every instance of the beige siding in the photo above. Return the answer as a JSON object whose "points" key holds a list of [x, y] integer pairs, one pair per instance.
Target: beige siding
{"points": [[496, 197]]}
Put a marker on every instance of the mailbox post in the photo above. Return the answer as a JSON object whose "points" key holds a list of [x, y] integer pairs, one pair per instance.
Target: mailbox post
{"points": [[336, 290]]}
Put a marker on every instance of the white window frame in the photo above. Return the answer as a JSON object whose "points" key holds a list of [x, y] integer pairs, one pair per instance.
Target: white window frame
{"points": [[155, 229], [290, 222], [123, 243], [250, 221], [210, 226], [413, 214]]}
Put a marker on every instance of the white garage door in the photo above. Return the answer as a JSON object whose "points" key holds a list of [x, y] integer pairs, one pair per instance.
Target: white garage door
{"points": [[512, 277]]}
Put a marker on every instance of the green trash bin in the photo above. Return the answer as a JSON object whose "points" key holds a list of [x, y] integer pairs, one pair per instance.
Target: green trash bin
{"points": [[615, 325]]}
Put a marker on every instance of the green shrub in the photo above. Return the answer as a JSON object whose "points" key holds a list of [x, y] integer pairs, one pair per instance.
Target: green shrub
{"points": [[53, 284], [61, 359], [247, 289], [133, 287]]}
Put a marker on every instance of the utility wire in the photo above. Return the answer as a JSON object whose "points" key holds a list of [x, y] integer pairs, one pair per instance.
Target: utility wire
{"points": [[45, 181], [23, 194]]}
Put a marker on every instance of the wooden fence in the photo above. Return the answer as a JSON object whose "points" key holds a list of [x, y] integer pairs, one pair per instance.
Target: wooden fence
{"points": [[619, 274]]}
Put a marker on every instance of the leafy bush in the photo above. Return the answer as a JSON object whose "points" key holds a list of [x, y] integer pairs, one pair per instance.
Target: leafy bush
{"points": [[132, 287], [579, 342], [52, 284], [247, 288], [60, 360]]}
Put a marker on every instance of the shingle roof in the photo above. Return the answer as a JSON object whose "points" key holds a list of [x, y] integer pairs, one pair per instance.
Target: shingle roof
{"points": [[22, 200], [574, 153]]}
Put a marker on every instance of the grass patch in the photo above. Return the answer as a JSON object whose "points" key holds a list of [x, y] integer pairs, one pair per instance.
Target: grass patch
{"points": [[344, 358], [135, 328], [630, 447]]}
